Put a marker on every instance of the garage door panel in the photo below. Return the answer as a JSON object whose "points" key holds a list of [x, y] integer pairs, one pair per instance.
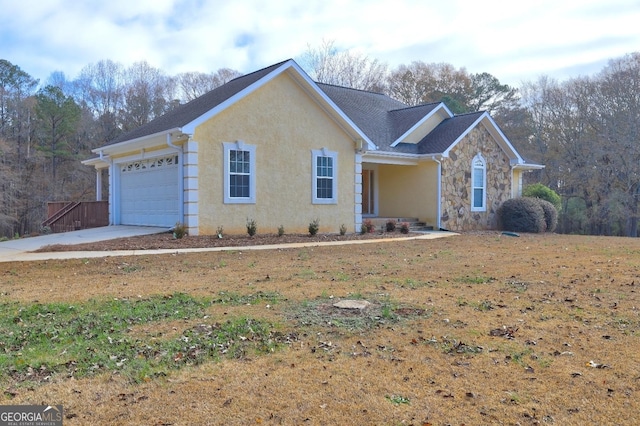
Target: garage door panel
{"points": [[149, 192]]}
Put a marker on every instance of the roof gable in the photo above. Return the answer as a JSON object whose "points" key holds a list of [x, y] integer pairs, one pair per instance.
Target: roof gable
{"points": [[199, 107], [187, 117], [451, 131], [415, 123]]}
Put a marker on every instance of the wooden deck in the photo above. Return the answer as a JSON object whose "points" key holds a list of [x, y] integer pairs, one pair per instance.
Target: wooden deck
{"points": [[65, 216]]}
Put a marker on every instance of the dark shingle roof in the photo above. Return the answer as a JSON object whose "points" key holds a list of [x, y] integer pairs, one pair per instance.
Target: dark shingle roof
{"points": [[188, 112], [380, 117], [446, 133], [403, 119], [368, 110]]}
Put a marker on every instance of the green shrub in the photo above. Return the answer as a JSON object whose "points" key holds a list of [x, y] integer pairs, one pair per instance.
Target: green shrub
{"points": [[252, 227], [538, 190], [314, 227], [179, 231], [522, 214], [220, 232], [280, 230], [343, 229], [391, 225], [550, 214]]}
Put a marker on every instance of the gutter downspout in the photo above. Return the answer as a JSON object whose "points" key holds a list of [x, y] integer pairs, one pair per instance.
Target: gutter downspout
{"points": [[180, 177]]}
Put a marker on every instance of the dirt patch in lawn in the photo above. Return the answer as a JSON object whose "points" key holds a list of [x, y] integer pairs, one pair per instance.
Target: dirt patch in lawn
{"points": [[472, 329]]}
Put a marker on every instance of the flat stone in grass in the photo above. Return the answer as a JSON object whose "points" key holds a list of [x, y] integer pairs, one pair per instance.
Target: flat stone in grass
{"points": [[352, 304]]}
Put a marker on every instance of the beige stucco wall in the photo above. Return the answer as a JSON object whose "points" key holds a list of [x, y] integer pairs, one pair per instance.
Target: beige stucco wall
{"points": [[284, 124], [456, 212], [516, 186], [409, 191]]}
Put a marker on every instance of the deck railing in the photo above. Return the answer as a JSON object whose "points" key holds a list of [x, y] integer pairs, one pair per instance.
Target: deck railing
{"points": [[75, 215]]}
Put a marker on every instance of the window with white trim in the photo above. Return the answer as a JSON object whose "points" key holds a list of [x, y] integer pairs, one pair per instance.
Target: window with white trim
{"points": [[478, 184], [239, 173], [325, 182]]}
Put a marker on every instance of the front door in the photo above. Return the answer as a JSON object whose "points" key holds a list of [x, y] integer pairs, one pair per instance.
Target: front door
{"points": [[368, 193]]}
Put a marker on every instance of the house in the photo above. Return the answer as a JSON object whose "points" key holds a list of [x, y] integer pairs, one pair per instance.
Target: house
{"points": [[276, 147]]}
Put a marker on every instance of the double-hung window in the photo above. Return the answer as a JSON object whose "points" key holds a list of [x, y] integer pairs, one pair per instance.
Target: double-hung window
{"points": [[325, 182], [478, 184], [239, 173]]}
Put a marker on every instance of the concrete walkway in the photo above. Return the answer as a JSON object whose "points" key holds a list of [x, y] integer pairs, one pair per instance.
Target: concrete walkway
{"points": [[13, 250], [24, 256]]}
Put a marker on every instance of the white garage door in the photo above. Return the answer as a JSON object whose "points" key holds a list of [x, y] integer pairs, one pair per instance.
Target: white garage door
{"points": [[149, 192]]}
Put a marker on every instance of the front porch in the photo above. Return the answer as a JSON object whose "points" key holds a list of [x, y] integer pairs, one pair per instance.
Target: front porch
{"points": [[404, 192]]}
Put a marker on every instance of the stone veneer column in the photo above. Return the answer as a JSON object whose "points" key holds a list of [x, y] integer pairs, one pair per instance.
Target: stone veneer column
{"points": [[190, 159], [358, 193]]}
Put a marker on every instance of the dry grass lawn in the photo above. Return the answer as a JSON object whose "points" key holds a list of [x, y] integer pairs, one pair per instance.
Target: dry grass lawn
{"points": [[473, 329]]}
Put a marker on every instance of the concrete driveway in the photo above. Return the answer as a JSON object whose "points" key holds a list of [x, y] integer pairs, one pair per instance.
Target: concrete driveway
{"points": [[13, 249]]}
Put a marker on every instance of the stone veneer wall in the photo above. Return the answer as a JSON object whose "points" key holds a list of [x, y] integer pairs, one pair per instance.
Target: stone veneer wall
{"points": [[456, 214]]}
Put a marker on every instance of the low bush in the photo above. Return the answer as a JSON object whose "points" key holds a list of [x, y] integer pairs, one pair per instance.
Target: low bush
{"points": [[521, 215], [252, 227], [404, 228], [550, 214], [367, 227], [391, 225], [179, 231], [280, 230], [538, 190], [314, 227], [343, 229]]}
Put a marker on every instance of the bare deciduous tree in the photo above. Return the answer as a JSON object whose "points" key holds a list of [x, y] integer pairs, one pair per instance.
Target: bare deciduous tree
{"points": [[326, 64], [100, 87], [196, 84], [148, 93]]}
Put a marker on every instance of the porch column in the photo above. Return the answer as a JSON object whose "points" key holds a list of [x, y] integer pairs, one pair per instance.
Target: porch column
{"points": [[98, 184], [190, 183], [358, 192]]}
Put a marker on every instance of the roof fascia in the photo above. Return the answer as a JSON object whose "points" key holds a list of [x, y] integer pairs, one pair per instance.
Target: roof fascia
{"points": [[398, 158], [138, 143], [495, 128], [97, 162], [495, 131], [529, 166], [436, 110], [190, 127]]}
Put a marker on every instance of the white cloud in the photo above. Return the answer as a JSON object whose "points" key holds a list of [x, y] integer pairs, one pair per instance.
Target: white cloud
{"points": [[512, 40]]}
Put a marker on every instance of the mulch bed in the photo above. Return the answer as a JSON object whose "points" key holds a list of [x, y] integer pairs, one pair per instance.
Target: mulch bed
{"points": [[167, 241]]}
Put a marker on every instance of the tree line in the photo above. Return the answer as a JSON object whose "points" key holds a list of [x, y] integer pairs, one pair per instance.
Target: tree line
{"points": [[585, 129]]}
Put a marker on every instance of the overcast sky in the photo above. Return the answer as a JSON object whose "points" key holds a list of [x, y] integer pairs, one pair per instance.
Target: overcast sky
{"points": [[513, 40]]}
